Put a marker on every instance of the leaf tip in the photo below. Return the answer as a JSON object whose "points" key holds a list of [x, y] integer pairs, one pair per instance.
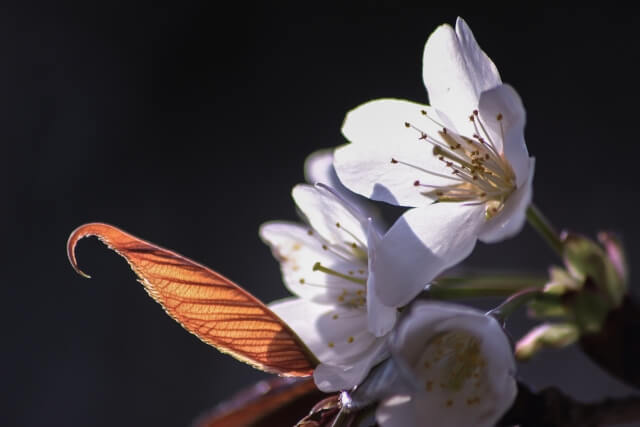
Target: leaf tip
{"points": [[81, 232]]}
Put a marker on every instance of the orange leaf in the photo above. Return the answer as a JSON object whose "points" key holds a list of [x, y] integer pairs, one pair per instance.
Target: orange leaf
{"points": [[205, 303]]}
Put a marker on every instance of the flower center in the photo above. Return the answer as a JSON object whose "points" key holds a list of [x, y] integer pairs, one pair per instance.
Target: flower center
{"points": [[452, 364], [479, 173]]}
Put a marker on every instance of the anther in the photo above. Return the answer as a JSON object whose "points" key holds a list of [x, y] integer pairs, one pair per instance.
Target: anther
{"points": [[475, 112], [393, 160], [499, 117], [407, 124], [416, 183], [423, 112]]}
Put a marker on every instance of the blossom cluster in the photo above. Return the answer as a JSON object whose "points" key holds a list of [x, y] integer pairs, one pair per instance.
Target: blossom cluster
{"points": [[461, 167]]}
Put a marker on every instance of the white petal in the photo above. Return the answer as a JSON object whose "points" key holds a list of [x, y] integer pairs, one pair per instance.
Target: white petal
{"points": [[455, 72], [381, 318], [335, 220], [330, 378], [318, 168], [334, 335], [397, 411], [421, 244], [508, 133], [378, 134], [511, 219], [298, 248]]}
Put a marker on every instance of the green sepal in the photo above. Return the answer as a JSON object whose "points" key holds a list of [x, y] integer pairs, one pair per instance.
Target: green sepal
{"points": [[586, 259], [561, 282], [541, 308], [589, 311]]}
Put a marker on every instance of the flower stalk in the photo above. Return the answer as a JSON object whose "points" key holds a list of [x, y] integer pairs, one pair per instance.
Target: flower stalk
{"points": [[542, 225]]}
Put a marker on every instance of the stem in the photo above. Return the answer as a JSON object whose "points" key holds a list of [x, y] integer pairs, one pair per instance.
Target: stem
{"points": [[542, 225], [510, 282], [481, 286], [342, 418], [515, 301]]}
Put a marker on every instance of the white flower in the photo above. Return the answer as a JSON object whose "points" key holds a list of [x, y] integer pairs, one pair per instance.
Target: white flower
{"points": [[326, 266], [457, 367], [461, 163]]}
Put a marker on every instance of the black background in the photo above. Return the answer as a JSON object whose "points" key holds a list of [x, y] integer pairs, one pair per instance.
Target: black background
{"points": [[188, 126]]}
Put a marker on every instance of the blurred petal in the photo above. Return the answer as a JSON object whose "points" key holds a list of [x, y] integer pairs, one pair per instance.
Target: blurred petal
{"points": [[396, 411], [420, 245]]}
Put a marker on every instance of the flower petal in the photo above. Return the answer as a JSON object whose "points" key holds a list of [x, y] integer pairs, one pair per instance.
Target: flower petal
{"points": [[335, 335], [330, 378], [507, 133], [379, 137], [298, 248], [397, 411], [511, 219], [318, 168], [334, 219], [421, 244], [380, 318], [455, 72]]}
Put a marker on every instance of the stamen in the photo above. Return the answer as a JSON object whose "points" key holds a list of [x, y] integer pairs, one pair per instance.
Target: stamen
{"points": [[319, 267], [479, 173]]}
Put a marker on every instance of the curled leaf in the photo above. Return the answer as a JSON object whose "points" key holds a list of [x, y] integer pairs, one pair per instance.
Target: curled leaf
{"points": [[205, 303]]}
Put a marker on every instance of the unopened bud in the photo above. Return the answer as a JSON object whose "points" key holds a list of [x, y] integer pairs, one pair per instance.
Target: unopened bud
{"points": [[546, 335], [585, 259]]}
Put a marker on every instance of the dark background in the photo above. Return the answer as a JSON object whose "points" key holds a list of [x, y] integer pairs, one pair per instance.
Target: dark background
{"points": [[188, 126]]}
